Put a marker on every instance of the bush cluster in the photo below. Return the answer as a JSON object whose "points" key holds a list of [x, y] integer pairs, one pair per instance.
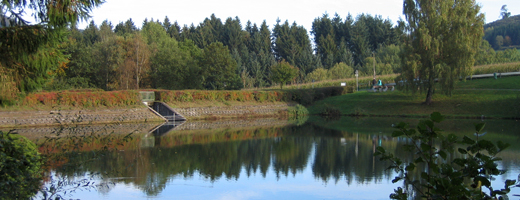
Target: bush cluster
{"points": [[84, 99], [330, 111], [298, 111], [302, 96], [87, 98], [20, 168], [170, 96], [309, 96], [442, 174]]}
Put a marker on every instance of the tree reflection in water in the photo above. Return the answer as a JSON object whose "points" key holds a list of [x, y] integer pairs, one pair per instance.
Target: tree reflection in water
{"points": [[216, 154]]}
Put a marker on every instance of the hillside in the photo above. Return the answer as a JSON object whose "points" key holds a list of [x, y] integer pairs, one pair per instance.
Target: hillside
{"points": [[504, 33], [514, 20]]}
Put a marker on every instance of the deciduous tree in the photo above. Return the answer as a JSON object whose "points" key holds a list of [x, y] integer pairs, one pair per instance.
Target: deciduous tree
{"points": [[283, 72], [108, 56], [444, 36], [136, 65], [218, 68]]}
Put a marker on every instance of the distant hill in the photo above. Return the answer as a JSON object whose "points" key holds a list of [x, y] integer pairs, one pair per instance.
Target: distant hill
{"points": [[504, 22], [504, 33]]}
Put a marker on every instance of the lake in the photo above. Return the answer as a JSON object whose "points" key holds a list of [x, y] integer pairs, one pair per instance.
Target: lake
{"points": [[257, 159]]}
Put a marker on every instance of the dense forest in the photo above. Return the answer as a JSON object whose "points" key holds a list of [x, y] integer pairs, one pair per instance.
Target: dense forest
{"points": [[503, 33], [225, 55], [217, 54]]}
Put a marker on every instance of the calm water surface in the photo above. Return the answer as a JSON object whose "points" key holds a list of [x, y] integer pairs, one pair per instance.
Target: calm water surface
{"points": [[317, 159]]}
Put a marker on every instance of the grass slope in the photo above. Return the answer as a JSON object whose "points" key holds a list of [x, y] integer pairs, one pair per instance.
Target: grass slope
{"points": [[489, 97]]}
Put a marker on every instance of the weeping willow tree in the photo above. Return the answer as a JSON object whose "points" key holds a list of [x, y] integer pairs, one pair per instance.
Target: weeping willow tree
{"points": [[443, 38], [31, 32]]}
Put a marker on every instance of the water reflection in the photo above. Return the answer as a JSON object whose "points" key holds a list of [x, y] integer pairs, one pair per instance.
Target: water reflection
{"points": [[315, 161], [165, 128]]}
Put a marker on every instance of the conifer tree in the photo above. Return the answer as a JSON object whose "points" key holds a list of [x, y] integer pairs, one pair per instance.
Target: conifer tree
{"points": [[29, 53]]}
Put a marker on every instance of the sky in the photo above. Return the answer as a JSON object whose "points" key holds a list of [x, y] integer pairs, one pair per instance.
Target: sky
{"points": [[303, 12]]}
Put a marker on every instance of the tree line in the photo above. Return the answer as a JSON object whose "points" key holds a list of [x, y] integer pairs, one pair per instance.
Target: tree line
{"points": [[218, 54], [214, 54], [225, 55]]}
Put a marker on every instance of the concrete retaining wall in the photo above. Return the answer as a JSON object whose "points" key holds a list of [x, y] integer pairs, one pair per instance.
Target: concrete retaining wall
{"points": [[65, 117]]}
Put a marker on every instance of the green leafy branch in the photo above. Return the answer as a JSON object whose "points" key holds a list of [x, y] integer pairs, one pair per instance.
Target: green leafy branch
{"points": [[437, 172]]}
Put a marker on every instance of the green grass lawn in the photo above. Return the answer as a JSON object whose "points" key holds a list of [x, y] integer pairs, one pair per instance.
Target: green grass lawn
{"points": [[472, 98]]}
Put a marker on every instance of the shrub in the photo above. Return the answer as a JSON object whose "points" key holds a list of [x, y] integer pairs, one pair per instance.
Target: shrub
{"points": [[301, 96], [330, 112], [348, 89], [185, 97], [199, 95], [247, 95], [82, 99], [299, 114], [298, 110], [307, 97], [260, 96], [340, 71], [319, 74], [441, 175], [20, 167]]}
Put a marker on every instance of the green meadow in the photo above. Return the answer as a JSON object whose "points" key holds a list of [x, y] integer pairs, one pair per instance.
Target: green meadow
{"points": [[491, 98]]}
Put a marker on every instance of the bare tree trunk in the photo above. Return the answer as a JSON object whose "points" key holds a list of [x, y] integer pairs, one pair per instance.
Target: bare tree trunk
{"points": [[431, 86], [429, 95]]}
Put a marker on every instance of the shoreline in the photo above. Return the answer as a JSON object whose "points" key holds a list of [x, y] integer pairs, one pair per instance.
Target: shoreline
{"points": [[428, 115], [49, 118]]}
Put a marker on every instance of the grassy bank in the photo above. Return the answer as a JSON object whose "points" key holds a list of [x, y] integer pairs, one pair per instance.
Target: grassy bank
{"points": [[75, 99], [471, 99], [305, 94], [97, 99], [201, 98]]}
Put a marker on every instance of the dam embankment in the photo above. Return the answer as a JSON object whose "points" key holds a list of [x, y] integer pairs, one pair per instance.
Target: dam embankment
{"points": [[132, 115]]}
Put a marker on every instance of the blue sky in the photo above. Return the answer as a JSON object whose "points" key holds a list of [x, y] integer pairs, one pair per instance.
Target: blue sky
{"points": [[303, 11]]}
